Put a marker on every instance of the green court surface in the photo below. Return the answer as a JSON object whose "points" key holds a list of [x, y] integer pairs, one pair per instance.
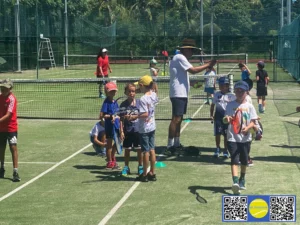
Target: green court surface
{"points": [[63, 182]]}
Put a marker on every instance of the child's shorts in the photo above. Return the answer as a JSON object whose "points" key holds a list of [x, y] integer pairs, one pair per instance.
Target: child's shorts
{"points": [[219, 127], [239, 152], [132, 139], [209, 90], [147, 141], [98, 149]]}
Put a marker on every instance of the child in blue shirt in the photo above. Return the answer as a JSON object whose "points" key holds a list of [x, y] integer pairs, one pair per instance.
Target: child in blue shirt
{"points": [[108, 110]]}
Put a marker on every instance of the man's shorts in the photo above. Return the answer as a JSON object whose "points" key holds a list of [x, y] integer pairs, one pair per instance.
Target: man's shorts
{"points": [[147, 141], [132, 139], [209, 90], [179, 106], [10, 137]]}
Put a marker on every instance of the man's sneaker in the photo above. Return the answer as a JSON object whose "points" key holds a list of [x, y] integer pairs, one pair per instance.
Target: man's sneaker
{"points": [[151, 177], [16, 177], [142, 178], [140, 170], [250, 162], [226, 154], [242, 184], [109, 165], [235, 189], [125, 171], [217, 153], [2, 172]]}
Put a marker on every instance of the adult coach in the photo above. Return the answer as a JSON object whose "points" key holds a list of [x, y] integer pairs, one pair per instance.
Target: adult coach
{"points": [[8, 127], [102, 69], [179, 89]]}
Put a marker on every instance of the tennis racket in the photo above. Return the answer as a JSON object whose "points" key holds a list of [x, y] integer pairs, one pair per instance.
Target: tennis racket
{"points": [[118, 140], [237, 121]]}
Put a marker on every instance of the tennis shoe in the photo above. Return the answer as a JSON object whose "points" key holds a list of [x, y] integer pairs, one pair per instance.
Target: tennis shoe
{"points": [[217, 153], [236, 189], [2, 172], [142, 178], [116, 166], [140, 170], [16, 177], [260, 108], [109, 165], [242, 184], [226, 155], [250, 162], [125, 171], [151, 177]]}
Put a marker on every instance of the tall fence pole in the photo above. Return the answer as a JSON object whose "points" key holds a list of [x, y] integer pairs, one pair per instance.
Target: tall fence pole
{"points": [[18, 36], [66, 63]]}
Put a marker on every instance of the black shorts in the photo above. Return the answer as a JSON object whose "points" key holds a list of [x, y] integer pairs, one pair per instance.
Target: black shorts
{"points": [[239, 152], [179, 106], [132, 139], [8, 137], [261, 90]]}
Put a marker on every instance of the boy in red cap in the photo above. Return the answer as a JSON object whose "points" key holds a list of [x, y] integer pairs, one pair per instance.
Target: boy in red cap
{"points": [[108, 110]]}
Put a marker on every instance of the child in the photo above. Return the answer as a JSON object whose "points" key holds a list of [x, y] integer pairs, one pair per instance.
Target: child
{"points": [[262, 79], [109, 108], [220, 100], [154, 73], [8, 127], [239, 144], [246, 75], [147, 127], [132, 139], [209, 84], [98, 138]]}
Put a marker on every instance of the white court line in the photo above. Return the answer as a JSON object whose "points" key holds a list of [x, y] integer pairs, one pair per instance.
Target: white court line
{"points": [[42, 174], [25, 102], [34, 162], [136, 184]]}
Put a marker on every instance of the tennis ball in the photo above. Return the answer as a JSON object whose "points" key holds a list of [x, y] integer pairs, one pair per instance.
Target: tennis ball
{"points": [[258, 208]]}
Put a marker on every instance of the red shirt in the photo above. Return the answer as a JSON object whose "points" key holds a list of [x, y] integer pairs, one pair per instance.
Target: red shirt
{"points": [[103, 63], [8, 104]]}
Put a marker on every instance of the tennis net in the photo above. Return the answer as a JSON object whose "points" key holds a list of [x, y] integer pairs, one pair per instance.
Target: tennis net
{"points": [[79, 98]]}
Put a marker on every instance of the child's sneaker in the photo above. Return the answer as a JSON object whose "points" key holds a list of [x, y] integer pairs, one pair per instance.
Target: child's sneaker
{"points": [[116, 166], [16, 177], [235, 189], [217, 153], [226, 154], [260, 108], [109, 165], [2, 172], [242, 184], [125, 171], [250, 162], [142, 178], [140, 170], [151, 177]]}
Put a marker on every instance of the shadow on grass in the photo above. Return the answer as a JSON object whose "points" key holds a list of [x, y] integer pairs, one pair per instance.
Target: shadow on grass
{"points": [[288, 159], [213, 189], [284, 146]]}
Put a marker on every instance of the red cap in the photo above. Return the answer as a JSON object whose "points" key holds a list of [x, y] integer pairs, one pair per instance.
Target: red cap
{"points": [[111, 86]]}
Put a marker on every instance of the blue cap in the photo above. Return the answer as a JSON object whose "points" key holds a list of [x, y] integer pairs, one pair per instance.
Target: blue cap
{"points": [[223, 80], [242, 85]]}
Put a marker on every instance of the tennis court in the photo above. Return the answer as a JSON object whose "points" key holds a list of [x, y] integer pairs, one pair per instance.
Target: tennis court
{"points": [[63, 182]]}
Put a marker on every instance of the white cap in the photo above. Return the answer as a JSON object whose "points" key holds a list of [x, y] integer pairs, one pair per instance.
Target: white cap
{"points": [[104, 50]]}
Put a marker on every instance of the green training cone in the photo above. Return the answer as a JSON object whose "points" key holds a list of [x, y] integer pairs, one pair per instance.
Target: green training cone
{"points": [[160, 165]]}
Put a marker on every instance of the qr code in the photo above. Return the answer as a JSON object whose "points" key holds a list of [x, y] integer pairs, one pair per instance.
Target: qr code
{"points": [[235, 208], [282, 208]]}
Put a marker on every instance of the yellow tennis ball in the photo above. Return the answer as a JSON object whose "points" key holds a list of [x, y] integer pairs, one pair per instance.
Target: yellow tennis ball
{"points": [[258, 208]]}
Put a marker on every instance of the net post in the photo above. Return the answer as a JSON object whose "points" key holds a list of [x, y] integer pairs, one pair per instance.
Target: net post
{"points": [[230, 77], [64, 61], [246, 58]]}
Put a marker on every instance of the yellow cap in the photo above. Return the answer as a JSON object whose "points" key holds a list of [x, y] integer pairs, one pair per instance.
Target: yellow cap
{"points": [[145, 80]]}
